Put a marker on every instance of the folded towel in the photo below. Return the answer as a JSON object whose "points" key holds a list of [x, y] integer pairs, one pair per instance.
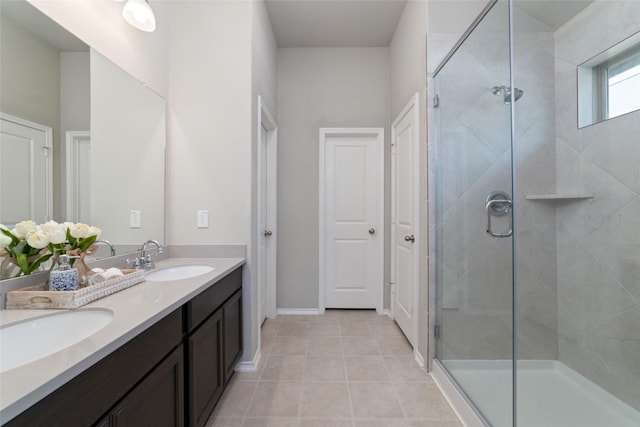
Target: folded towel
{"points": [[101, 275]]}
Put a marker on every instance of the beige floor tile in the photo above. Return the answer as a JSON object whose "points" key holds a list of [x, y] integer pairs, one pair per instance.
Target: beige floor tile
{"points": [[356, 315], [328, 316], [266, 342], [289, 345], [374, 400], [324, 368], [293, 329], [324, 345], [270, 328], [236, 399], [224, 422], [385, 328], [306, 422], [424, 401], [285, 318], [283, 368], [366, 368], [275, 399], [325, 400], [428, 423], [382, 423], [271, 422], [393, 345], [360, 346], [405, 369], [327, 329], [355, 329]]}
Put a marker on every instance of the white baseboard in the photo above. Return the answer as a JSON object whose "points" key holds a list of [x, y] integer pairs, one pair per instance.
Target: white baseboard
{"points": [[418, 357], [307, 311], [387, 312], [249, 365]]}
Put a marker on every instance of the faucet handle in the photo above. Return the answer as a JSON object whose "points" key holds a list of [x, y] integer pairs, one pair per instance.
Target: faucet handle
{"points": [[137, 264], [148, 263]]}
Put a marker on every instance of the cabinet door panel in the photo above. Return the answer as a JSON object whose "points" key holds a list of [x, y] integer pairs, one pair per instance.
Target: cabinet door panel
{"points": [[232, 321], [206, 378], [158, 401]]}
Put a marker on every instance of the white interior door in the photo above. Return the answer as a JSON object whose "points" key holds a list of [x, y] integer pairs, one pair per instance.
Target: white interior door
{"points": [[78, 176], [264, 227], [267, 212], [404, 218], [25, 171], [352, 235]]}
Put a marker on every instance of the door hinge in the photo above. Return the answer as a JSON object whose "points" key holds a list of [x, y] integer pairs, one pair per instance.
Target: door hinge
{"points": [[436, 331], [45, 151], [436, 101]]}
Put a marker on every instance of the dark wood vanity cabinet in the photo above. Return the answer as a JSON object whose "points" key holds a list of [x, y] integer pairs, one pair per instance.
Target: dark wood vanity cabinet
{"points": [[214, 345], [172, 374]]}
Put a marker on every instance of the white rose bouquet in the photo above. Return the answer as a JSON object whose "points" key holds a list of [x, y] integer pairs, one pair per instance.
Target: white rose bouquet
{"points": [[29, 245], [26, 245]]}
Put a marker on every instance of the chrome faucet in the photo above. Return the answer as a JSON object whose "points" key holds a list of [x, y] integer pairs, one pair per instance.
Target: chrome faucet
{"points": [[146, 262], [107, 243]]}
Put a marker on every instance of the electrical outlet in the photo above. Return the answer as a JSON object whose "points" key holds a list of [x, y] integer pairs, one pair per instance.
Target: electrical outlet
{"points": [[135, 219], [203, 219]]}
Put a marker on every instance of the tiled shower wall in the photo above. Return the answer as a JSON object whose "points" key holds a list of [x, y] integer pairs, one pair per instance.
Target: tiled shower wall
{"points": [[598, 274]]}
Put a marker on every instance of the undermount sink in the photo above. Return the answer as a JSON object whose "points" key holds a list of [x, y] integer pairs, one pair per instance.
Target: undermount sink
{"points": [[178, 273], [30, 340]]}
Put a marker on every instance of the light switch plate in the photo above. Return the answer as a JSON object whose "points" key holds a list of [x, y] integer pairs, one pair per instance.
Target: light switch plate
{"points": [[203, 219], [135, 219]]}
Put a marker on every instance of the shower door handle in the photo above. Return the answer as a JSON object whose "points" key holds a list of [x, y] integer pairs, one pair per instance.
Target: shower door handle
{"points": [[500, 205]]}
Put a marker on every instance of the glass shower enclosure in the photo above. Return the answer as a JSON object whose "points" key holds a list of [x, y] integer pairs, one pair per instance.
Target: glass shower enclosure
{"points": [[538, 215]]}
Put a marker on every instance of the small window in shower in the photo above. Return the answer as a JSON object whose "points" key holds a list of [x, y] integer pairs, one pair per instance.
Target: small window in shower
{"points": [[623, 86], [609, 84]]}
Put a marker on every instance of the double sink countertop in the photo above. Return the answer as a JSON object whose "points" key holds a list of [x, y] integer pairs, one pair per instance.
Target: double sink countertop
{"points": [[134, 310]]}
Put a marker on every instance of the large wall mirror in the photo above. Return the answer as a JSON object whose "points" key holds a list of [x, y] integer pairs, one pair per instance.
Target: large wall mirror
{"points": [[81, 139]]}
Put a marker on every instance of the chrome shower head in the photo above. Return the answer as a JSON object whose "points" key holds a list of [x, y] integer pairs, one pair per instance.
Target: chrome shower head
{"points": [[506, 92]]}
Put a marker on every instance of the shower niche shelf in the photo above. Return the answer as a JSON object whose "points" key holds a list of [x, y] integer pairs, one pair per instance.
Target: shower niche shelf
{"points": [[560, 197]]}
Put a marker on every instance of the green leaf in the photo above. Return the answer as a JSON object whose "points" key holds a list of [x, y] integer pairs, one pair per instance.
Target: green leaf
{"points": [[87, 242], [72, 240], [23, 263], [36, 263]]}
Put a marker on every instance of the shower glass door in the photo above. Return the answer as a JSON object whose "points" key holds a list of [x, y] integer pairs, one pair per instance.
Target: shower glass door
{"points": [[474, 339]]}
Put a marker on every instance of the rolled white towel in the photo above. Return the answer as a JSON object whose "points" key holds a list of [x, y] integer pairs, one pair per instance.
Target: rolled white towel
{"points": [[101, 276]]}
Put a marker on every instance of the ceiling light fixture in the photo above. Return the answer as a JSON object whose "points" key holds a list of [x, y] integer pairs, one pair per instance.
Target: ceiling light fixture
{"points": [[138, 13]]}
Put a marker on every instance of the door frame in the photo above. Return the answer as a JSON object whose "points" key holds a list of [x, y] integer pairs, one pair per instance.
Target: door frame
{"points": [[414, 104], [48, 134], [265, 118], [72, 139], [329, 132]]}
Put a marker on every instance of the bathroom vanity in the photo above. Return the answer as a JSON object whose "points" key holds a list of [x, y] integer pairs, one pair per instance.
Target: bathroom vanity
{"points": [[168, 367]]}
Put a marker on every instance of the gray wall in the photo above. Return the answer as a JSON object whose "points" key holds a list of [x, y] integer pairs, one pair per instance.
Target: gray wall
{"points": [[318, 87], [598, 271]]}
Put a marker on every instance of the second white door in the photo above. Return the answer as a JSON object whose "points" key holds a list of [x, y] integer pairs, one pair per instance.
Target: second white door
{"points": [[404, 218], [351, 218]]}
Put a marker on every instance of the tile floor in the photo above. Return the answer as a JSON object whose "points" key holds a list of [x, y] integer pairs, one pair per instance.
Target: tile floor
{"points": [[346, 368]]}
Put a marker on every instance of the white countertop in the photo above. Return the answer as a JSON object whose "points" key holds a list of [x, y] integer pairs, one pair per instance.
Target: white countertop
{"points": [[134, 310]]}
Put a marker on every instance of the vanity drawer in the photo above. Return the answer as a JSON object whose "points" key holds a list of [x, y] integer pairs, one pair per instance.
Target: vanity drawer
{"points": [[203, 305]]}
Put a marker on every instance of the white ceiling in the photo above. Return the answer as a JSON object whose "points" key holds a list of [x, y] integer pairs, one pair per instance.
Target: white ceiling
{"points": [[334, 23], [371, 23], [41, 26]]}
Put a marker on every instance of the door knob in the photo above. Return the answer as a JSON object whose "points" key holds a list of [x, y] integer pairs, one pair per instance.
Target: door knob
{"points": [[372, 231], [409, 238], [267, 233]]}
